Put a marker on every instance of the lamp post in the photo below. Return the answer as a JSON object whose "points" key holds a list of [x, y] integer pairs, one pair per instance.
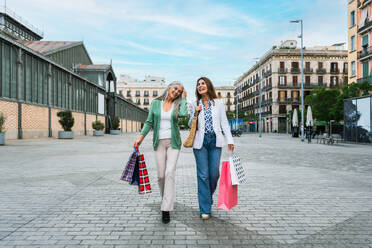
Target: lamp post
{"points": [[302, 78], [259, 99], [236, 107]]}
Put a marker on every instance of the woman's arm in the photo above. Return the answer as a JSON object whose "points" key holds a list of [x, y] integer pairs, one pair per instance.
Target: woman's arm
{"points": [[192, 112], [146, 127], [183, 108]]}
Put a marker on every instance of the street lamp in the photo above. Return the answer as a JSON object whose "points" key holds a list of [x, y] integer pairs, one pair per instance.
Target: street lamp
{"points": [[259, 98], [302, 78], [237, 106]]}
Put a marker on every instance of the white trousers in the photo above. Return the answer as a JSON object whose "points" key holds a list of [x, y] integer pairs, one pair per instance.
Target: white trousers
{"points": [[166, 160]]}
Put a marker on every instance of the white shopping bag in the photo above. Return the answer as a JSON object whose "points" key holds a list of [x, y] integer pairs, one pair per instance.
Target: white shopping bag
{"points": [[236, 170]]}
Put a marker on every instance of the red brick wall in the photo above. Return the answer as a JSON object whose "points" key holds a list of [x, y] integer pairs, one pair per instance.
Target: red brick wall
{"points": [[10, 111], [34, 121]]}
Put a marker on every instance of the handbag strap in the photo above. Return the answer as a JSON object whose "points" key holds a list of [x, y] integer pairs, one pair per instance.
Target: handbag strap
{"points": [[136, 150]]}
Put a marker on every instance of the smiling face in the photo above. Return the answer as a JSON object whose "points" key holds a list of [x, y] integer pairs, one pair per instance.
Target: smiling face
{"points": [[202, 87], [174, 92]]}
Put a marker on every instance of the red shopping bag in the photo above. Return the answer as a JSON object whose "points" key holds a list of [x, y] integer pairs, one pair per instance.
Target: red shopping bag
{"points": [[227, 193], [144, 181]]}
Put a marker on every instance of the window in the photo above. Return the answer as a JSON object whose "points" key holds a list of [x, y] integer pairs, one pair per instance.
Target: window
{"points": [[138, 101], [307, 65], [155, 93], [353, 68], [138, 93], [365, 41], [219, 94], [146, 93], [307, 79], [352, 43], [146, 101], [120, 92], [282, 80], [294, 64], [352, 18], [320, 79], [320, 65], [128, 93], [282, 65]]}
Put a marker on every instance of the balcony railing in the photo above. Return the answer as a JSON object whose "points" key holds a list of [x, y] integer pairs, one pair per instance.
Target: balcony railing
{"points": [[282, 70], [321, 71], [295, 70], [365, 79], [364, 4], [334, 85], [335, 70], [364, 53], [267, 73], [284, 100], [268, 87], [268, 101], [266, 113], [308, 70], [367, 25]]}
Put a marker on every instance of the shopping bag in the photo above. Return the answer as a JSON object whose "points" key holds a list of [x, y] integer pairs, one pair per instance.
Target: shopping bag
{"points": [[127, 174], [135, 178], [144, 181], [236, 170], [227, 193]]}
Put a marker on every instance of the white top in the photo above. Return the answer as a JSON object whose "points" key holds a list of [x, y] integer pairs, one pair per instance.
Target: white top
{"points": [[220, 125], [165, 124]]}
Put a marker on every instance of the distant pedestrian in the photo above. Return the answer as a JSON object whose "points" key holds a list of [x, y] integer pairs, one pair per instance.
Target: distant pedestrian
{"points": [[213, 130], [163, 118]]}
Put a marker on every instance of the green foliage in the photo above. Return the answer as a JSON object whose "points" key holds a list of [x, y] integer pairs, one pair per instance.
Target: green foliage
{"points": [[250, 117], [329, 104], [230, 115], [2, 122], [183, 121], [115, 123], [98, 125], [322, 102], [66, 120]]}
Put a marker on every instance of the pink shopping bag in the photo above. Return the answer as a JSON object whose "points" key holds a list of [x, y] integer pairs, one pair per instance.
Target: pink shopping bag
{"points": [[227, 193]]}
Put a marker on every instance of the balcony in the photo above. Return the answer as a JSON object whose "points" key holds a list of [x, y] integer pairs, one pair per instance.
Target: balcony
{"points": [[363, 4], [268, 87], [268, 101], [321, 71], [367, 25], [365, 53], [334, 85], [335, 71], [282, 70], [365, 79], [266, 113], [295, 70], [267, 74], [284, 100], [308, 70], [312, 85]]}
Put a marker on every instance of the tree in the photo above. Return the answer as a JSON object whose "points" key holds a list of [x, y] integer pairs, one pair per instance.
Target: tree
{"points": [[322, 102]]}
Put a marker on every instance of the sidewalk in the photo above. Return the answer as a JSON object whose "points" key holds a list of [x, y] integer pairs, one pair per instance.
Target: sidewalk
{"points": [[67, 193]]}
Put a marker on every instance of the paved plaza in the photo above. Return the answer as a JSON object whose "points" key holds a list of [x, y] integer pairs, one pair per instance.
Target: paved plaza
{"points": [[67, 193]]}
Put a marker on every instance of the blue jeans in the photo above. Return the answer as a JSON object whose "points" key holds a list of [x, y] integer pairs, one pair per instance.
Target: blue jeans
{"points": [[207, 166]]}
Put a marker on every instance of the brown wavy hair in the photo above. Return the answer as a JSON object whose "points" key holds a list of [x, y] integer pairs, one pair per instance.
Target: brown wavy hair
{"points": [[211, 91]]}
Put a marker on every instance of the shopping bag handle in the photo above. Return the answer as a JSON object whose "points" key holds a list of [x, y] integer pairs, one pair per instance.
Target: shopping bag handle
{"points": [[136, 150], [230, 153]]}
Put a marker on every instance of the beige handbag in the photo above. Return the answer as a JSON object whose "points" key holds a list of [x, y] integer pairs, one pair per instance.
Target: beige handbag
{"points": [[190, 139]]}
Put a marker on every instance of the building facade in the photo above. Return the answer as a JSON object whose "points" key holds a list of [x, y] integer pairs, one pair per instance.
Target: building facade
{"points": [[352, 34], [363, 39], [141, 93], [40, 78], [226, 94], [278, 74]]}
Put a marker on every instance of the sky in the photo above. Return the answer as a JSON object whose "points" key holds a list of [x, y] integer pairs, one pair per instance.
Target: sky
{"points": [[184, 40]]}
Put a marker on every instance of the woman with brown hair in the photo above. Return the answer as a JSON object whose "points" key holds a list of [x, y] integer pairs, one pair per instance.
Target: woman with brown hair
{"points": [[213, 130]]}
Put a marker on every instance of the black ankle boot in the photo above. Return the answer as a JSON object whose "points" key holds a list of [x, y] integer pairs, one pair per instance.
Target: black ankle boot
{"points": [[165, 218]]}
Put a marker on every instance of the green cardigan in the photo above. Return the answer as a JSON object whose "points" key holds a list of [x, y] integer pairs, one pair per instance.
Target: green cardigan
{"points": [[153, 120]]}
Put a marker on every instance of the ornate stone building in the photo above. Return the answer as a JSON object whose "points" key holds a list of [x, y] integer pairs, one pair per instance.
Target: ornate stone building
{"points": [[278, 72]]}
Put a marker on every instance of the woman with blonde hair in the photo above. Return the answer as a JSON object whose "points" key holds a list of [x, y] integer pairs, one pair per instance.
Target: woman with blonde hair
{"points": [[163, 118], [212, 131]]}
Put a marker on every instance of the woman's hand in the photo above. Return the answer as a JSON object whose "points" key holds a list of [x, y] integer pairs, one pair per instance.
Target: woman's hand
{"points": [[231, 147], [184, 94], [138, 142], [197, 110]]}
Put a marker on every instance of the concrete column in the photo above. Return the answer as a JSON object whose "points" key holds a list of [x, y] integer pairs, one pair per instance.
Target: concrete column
{"points": [[19, 87], [49, 78]]}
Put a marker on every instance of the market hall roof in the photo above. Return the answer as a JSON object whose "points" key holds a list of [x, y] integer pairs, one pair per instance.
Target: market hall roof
{"points": [[48, 47], [103, 67]]}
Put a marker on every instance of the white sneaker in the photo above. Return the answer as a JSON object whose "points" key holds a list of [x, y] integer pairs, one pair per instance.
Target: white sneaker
{"points": [[205, 216]]}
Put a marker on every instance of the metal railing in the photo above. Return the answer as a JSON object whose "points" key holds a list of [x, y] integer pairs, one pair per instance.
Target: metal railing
{"points": [[335, 70], [282, 70], [295, 70], [365, 79], [364, 52], [308, 70], [321, 71], [13, 15]]}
